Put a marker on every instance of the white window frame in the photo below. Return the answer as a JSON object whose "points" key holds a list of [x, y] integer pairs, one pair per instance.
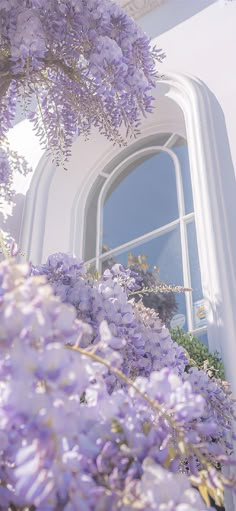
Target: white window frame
{"points": [[182, 220]]}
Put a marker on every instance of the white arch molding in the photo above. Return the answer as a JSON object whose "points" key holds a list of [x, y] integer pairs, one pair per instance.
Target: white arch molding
{"points": [[165, 119], [215, 238]]}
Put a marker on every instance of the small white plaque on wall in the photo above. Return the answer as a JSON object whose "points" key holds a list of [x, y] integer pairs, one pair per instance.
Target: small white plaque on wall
{"points": [[178, 320]]}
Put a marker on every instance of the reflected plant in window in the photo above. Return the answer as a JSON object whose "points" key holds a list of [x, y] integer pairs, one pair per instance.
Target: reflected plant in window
{"points": [[162, 302]]}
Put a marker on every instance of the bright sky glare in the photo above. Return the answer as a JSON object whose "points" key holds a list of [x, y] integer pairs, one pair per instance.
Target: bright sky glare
{"points": [[23, 140]]}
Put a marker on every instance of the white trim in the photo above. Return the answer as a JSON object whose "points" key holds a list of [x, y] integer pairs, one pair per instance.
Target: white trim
{"points": [[217, 251], [215, 232], [35, 209], [170, 140]]}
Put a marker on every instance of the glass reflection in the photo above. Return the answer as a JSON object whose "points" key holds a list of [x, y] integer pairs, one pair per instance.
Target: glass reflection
{"points": [[180, 148], [143, 201]]}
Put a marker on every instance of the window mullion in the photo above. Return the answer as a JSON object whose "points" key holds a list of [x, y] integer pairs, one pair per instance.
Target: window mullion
{"points": [[186, 272], [99, 230], [145, 237], [184, 242], [170, 140]]}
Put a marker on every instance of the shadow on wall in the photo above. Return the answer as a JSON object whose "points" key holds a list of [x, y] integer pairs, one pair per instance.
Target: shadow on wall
{"points": [[170, 14], [227, 171]]}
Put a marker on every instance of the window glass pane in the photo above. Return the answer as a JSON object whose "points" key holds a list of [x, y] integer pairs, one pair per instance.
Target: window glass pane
{"points": [[180, 148], [163, 251], [143, 201]]}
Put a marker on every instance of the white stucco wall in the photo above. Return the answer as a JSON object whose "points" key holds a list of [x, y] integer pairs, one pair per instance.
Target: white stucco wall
{"points": [[199, 38]]}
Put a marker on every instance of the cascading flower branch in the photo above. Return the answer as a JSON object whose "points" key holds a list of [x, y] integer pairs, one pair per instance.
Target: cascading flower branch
{"points": [[86, 62]]}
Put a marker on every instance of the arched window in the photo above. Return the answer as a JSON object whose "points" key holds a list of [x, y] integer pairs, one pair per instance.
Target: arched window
{"points": [[144, 207], [183, 106]]}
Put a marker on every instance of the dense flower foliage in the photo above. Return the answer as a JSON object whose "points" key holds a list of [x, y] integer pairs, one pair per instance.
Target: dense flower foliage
{"points": [[143, 348], [138, 335], [86, 63], [99, 407], [75, 432]]}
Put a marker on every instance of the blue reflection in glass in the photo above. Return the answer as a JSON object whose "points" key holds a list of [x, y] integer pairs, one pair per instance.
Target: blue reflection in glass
{"points": [[203, 338], [143, 201], [181, 152]]}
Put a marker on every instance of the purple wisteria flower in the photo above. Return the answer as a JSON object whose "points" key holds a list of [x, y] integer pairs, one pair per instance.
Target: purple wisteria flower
{"points": [[165, 491], [149, 345], [85, 61], [75, 433]]}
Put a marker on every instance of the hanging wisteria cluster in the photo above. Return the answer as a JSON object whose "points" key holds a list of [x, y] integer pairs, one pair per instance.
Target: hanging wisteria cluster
{"points": [[86, 63], [97, 410]]}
